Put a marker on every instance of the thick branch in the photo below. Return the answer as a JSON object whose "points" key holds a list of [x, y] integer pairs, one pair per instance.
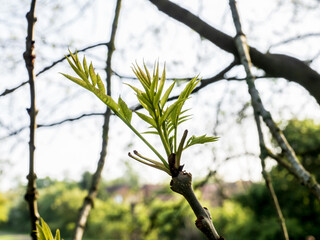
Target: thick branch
{"points": [[182, 184], [275, 65], [245, 59], [303, 175], [89, 199], [29, 57]]}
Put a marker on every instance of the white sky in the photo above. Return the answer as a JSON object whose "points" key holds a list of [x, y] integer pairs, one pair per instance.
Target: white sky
{"points": [[144, 34]]}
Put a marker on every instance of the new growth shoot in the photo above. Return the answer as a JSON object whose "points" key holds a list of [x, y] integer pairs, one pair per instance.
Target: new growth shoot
{"points": [[163, 118]]}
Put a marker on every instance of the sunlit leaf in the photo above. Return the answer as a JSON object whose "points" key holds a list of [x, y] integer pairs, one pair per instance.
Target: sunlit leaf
{"points": [[199, 140], [82, 75], [108, 101], [57, 237], [156, 75], [151, 132], [40, 233], [147, 72], [72, 55], [124, 110], [143, 99], [142, 78], [100, 84], [169, 111], [85, 66], [162, 81], [164, 99], [92, 75], [147, 119], [46, 229], [77, 81], [77, 62]]}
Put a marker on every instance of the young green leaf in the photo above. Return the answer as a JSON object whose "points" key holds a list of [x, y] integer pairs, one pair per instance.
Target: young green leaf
{"points": [[77, 62], [92, 75], [108, 101], [57, 237], [85, 66], [164, 99], [162, 81], [169, 110], [199, 140], [82, 75], [124, 110], [77, 81], [40, 233], [155, 75], [147, 119], [100, 84], [142, 78], [151, 132]]}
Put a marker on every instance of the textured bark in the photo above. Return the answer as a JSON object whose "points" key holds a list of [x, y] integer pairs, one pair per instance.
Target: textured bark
{"points": [[182, 184], [274, 65], [88, 202], [29, 57], [295, 166], [246, 61]]}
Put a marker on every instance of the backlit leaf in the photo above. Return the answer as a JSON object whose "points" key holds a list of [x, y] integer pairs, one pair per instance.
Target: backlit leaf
{"points": [[77, 81], [100, 84], [92, 75], [124, 110], [147, 119], [166, 95], [199, 140], [85, 66], [77, 71]]}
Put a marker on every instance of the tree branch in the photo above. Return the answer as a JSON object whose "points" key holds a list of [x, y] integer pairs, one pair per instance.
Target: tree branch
{"points": [[29, 57], [13, 133], [8, 91], [246, 62], [93, 191], [303, 175], [182, 184], [296, 38], [275, 65]]}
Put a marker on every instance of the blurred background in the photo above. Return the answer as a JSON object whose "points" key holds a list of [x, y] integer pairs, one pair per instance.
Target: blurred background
{"points": [[135, 201]]}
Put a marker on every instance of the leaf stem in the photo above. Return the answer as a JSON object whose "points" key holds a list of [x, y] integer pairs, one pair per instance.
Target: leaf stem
{"points": [[143, 139]]}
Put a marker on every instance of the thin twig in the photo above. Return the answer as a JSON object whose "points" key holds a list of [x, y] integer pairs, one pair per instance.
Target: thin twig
{"points": [[246, 62], [92, 193], [295, 38], [47, 125], [29, 57], [8, 91]]}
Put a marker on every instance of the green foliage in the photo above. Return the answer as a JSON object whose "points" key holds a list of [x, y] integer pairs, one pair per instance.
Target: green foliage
{"points": [[4, 204], [300, 208], [171, 219], [235, 221], [44, 232], [304, 137], [162, 118], [160, 216]]}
